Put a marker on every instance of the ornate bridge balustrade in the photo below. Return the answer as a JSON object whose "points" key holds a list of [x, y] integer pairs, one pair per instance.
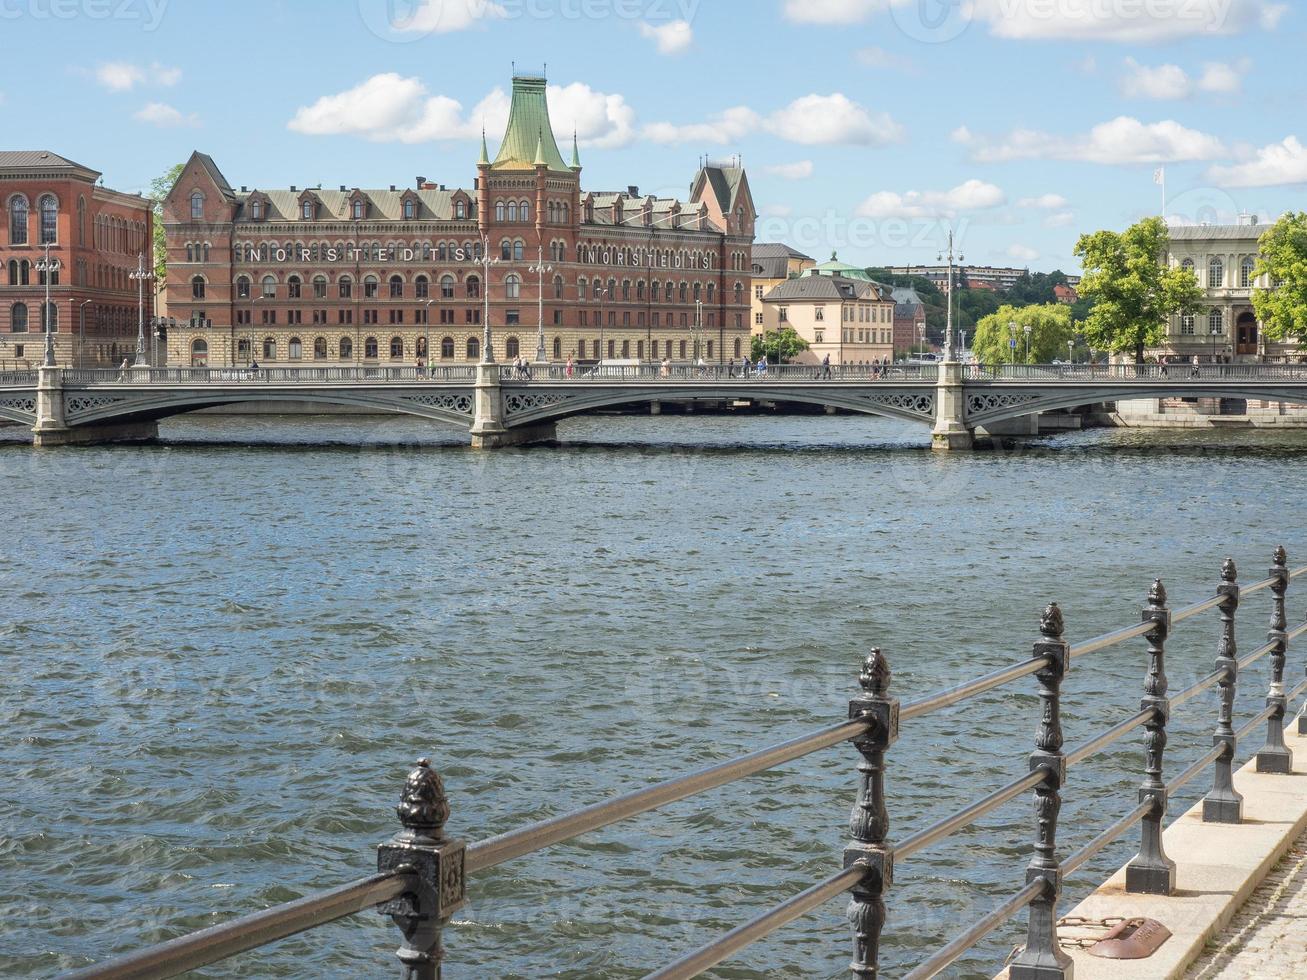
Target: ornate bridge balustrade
{"points": [[423, 872], [502, 405]]}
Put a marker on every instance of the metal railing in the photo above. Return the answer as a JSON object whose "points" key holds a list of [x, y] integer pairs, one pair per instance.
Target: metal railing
{"points": [[1180, 371], [422, 871], [267, 375], [681, 373]]}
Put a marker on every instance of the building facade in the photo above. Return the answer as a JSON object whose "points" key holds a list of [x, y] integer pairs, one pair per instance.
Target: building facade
{"points": [[849, 320], [97, 236], [773, 263], [909, 321], [411, 274]]}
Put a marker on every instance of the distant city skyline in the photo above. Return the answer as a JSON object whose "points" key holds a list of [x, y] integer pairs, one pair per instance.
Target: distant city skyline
{"points": [[868, 127]]}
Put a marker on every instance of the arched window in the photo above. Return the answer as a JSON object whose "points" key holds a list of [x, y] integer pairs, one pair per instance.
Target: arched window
{"points": [[370, 284], [358, 210], [506, 250], [410, 209], [81, 221], [256, 210], [668, 294], [739, 293], [293, 287], [1216, 322], [396, 287], [421, 287], [558, 287], [197, 206], [199, 353], [558, 348], [473, 349], [518, 250], [396, 348], [420, 348], [447, 348], [525, 211], [346, 287], [243, 287], [18, 318], [319, 287], [626, 290], [513, 287], [296, 348], [512, 348], [737, 346], [50, 317], [1215, 273], [346, 348], [460, 210], [712, 291], [698, 291], [269, 287], [499, 210], [685, 292], [18, 220], [307, 210], [49, 209], [473, 287], [197, 287], [370, 348], [269, 349], [319, 348], [512, 210], [1246, 272]]}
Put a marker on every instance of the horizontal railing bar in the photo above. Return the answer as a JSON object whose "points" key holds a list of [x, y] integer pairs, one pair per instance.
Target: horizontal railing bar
{"points": [[537, 836], [1186, 612], [1193, 690], [942, 828], [945, 699], [1110, 639], [709, 955], [1113, 734], [1248, 659], [982, 928], [190, 952], [1201, 763], [1073, 863]]}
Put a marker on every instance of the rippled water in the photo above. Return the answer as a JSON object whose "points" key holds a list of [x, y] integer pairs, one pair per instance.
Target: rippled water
{"points": [[224, 651]]}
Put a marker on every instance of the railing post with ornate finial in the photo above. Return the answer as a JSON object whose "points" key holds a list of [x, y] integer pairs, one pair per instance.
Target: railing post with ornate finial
{"points": [[436, 862], [1275, 756], [1224, 804], [869, 824], [1043, 958], [1151, 872]]}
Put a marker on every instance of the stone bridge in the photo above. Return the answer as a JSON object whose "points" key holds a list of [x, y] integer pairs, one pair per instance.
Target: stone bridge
{"points": [[499, 407]]}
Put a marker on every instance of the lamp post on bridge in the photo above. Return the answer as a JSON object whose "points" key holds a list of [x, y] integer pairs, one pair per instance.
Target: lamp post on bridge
{"points": [[487, 349], [80, 358], [948, 298], [141, 274], [1012, 341], [1027, 330], [540, 269], [48, 267]]}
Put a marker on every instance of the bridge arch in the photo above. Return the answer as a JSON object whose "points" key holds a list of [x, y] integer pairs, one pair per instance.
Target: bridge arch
{"points": [[1002, 402]]}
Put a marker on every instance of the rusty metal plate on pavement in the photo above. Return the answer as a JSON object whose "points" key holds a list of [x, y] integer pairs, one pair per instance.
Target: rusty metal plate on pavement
{"points": [[1133, 939]]}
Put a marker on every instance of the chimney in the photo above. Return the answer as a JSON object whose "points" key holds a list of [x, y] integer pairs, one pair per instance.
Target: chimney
{"points": [[392, 187], [421, 181], [243, 191], [293, 188], [632, 190], [342, 188], [426, 185]]}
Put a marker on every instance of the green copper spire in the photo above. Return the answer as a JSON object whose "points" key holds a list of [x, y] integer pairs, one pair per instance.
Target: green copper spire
{"points": [[485, 153], [576, 152], [529, 136]]}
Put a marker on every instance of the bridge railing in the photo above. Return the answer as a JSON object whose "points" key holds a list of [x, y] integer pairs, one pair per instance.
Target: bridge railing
{"points": [[1135, 372], [18, 379], [422, 872], [269, 375], [682, 373]]}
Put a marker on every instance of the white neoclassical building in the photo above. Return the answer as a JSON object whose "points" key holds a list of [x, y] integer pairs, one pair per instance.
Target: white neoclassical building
{"points": [[1224, 260]]}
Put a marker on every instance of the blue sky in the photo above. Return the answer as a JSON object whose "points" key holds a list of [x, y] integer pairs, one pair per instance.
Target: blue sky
{"points": [[867, 126]]}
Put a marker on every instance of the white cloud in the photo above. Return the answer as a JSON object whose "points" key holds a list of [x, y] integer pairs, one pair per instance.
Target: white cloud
{"points": [[727, 126], [879, 58], [777, 211], [1023, 253], [832, 119], [123, 76], [1173, 82], [1080, 20], [165, 116], [1046, 202], [1272, 166], [800, 170], [674, 37], [1121, 140], [1062, 219], [389, 108], [961, 135], [973, 195], [447, 16]]}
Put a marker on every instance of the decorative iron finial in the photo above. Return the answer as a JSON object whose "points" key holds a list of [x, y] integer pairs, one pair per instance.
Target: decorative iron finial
{"points": [[1281, 557], [1157, 594], [1228, 572], [1050, 624], [875, 675], [423, 806]]}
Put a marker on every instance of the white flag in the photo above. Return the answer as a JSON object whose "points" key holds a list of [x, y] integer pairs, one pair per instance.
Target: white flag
{"points": [[1159, 175]]}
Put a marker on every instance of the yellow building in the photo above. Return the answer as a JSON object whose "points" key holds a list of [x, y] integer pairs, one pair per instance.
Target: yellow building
{"points": [[773, 263], [851, 320]]}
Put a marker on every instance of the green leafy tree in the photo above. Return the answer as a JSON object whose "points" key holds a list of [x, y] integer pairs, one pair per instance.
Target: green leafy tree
{"points": [[1133, 289], [779, 345], [159, 189], [1283, 262], [1050, 325]]}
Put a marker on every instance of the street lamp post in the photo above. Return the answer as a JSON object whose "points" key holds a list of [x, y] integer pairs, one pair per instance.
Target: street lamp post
{"points": [[1070, 351], [48, 267], [141, 274], [1215, 333], [1012, 341], [427, 335], [1027, 329], [487, 351], [540, 269], [948, 298], [79, 360]]}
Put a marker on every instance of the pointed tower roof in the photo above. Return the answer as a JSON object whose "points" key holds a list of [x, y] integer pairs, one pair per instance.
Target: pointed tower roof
{"points": [[485, 153], [529, 135], [576, 152]]}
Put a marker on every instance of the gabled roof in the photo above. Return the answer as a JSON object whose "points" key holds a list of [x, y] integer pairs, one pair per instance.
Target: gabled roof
{"points": [[283, 205], [530, 136], [206, 161], [819, 288], [771, 260], [43, 161], [1202, 233], [725, 183]]}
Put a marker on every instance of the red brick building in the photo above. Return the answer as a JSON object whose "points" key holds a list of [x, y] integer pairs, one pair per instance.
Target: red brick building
{"points": [[97, 235], [353, 275]]}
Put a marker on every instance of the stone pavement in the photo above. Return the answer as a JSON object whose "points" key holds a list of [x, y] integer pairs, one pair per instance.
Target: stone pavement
{"points": [[1268, 936]]}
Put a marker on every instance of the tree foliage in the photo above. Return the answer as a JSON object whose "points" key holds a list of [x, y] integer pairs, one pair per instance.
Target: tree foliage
{"points": [[159, 189], [1283, 262], [779, 345], [1050, 325], [1133, 289]]}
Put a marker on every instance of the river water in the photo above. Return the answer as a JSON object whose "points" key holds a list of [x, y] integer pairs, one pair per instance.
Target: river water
{"points": [[224, 652]]}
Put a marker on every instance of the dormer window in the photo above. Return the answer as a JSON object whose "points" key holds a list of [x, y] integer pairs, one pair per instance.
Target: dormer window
{"points": [[358, 209], [256, 210], [410, 209], [306, 210], [460, 210]]}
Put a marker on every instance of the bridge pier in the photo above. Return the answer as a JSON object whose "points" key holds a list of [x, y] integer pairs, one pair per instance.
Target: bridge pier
{"points": [[488, 429], [52, 427], [951, 433]]}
